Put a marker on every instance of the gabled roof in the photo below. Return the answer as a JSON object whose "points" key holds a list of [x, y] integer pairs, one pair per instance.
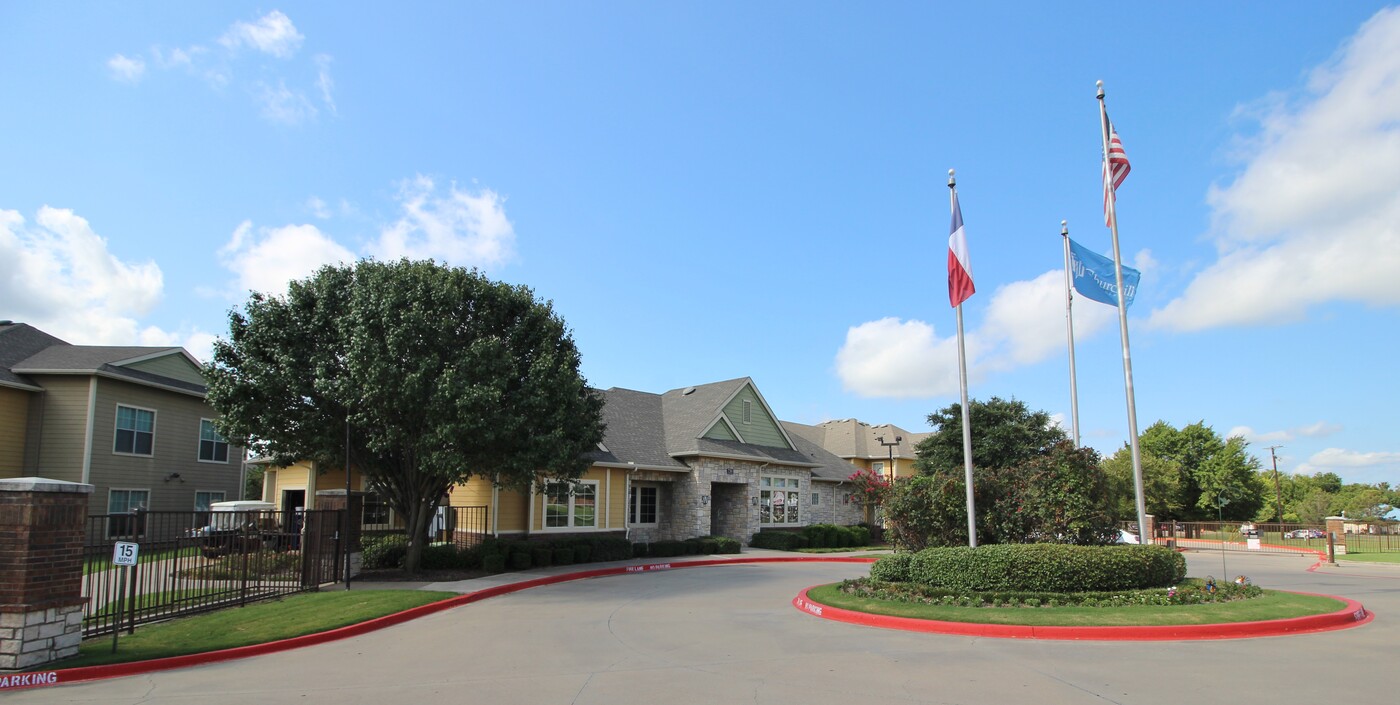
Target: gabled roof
{"points": [[851, 438], [655, 431], [830, 467], [17, 342], [25, 350]]}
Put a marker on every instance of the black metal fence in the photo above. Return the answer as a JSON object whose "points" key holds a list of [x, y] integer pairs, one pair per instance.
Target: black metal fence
{"points": [[1241, 536], [191, 562], [463, 527]]}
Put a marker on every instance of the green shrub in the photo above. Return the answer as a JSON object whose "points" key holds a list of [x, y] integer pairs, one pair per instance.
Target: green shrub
{"points": [[541, 556], [493, 563], [563, 555], [520, 560], [1047, 568], [612, 548], [893, 569], [724, 544], [779, 540], [442, 557], [860, 534], [385, 551], [583, 553]]}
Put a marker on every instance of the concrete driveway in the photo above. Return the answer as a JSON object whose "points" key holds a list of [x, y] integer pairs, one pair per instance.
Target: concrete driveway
{"points": [[727, 634]]}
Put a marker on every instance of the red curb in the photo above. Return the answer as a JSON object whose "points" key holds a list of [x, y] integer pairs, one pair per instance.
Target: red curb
{"points": [[34, 679], [1353, 615]]}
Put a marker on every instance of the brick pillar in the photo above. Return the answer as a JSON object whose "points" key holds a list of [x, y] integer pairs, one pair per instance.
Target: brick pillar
{"points": [[41, 570], [1149, 532], [1336, 528], [355, 503]]}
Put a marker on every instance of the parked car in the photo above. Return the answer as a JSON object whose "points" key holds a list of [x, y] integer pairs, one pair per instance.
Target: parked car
{"points": [[1248, 530], [1306, 534]]}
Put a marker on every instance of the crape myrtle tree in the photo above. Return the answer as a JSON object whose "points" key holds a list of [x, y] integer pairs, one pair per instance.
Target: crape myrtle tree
{"points": [[440, 374]]}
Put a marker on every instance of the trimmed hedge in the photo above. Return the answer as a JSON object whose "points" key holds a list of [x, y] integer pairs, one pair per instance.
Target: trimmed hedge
{"points": [[384, 551], [893, 569], [813, 536], [778, 540], [1046, 568]]}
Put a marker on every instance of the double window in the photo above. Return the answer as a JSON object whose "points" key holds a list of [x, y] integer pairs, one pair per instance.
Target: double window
{"points": [[777, 500], [212, 447], [202, 500], [571, 505], [136, 431], [641, 505]]}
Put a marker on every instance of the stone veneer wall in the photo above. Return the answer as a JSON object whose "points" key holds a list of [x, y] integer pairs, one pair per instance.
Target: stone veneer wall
{"points": [[692, 514], [832, 507]]}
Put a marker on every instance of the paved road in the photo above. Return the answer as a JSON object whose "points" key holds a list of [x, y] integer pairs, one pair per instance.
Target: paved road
{"points": [[728, 635]]}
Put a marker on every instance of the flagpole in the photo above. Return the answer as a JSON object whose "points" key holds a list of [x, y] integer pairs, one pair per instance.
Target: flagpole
{"points": [[1112, 202], [1069, 330], [962, 383]]}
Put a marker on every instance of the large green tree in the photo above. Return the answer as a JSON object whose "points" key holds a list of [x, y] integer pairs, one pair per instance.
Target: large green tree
{"points": [[1211, 470], [1004, 434], [1161, 479], [434, 373]]}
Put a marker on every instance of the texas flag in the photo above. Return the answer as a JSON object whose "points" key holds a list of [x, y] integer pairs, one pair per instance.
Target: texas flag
{"points": [[959, 264]]}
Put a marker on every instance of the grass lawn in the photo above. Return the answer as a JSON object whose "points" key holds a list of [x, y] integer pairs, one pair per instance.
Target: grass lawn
{"points": [[258, 623], [1370, 557], [1273, 605]]}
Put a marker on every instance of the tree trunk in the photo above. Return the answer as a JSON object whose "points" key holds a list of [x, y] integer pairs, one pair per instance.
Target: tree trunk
{"points": [[418, 516]]}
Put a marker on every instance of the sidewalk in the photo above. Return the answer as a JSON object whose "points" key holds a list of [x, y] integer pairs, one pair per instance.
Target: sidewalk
{"points": [[520, 576]]}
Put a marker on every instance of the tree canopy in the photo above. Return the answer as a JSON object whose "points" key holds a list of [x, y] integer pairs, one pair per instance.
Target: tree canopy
{"points": [[435, 373], [1004, 434]]}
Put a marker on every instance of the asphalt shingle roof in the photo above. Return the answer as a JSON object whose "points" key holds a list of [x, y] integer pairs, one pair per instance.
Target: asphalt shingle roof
{"points": [[25, 349]]}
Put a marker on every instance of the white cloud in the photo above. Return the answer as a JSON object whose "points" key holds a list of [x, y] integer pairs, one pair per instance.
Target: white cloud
{"points": [[318, 208], [1340, 460], [58, 275], [273, 34], [1317, 430], [1024, 324], [125, 69], [890, 358], [267, 259], [1315, 205], [324, 82], [459, 227], [281, 104]]}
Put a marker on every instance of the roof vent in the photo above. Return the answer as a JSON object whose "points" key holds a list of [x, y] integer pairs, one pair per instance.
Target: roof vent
{"points": [[687, 390]]}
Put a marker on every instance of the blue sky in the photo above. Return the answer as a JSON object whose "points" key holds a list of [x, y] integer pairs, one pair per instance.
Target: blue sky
{"points": [[713, 190]]}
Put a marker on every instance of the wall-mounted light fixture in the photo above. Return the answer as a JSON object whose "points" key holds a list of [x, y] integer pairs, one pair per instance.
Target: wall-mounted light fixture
{"points": [[753, 501], [173, 476], [704, 499], [729, 471]]}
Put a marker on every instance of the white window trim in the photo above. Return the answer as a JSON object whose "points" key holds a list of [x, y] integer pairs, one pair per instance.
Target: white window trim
{"points": [[197, 492], [797, 489], [569, 527], [199, 444], [637, 488], [111, 514], [878, 466], [116, 414]]}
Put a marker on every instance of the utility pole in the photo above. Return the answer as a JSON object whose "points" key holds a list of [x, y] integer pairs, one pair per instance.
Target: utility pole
{"points": [[1278, 487]]}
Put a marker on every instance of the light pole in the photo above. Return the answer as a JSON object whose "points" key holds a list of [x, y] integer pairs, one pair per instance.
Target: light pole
{"points": [[891, 447], [1278, 487]]}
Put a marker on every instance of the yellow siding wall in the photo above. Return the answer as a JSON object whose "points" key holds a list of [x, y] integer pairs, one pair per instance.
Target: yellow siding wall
{"points": [[14, 415], [295, 477], [612, 502]]}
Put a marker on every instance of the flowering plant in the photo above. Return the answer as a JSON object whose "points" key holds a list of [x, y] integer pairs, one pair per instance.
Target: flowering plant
{"points": [[870, 487]]}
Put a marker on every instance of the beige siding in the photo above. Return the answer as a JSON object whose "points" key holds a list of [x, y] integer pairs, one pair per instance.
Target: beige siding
{"points": [[175, 449], [14, 414], [57, 430]]}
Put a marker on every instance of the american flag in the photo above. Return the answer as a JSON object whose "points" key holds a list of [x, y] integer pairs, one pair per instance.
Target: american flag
{"points": [[1115, 170]]}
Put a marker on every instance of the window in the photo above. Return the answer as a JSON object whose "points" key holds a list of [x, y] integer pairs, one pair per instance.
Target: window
{"points": [[136, 431], [748, 411], [777, 500], [815, 499], [570, 505], [124, 509], [212, 447], [877, 468], [641, 505], [202, 500], [376, 510]]}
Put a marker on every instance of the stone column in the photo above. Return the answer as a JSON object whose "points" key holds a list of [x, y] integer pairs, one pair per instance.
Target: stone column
{"points": [[1336, 527], [1148, 536], [354, 503], [41, 570]]}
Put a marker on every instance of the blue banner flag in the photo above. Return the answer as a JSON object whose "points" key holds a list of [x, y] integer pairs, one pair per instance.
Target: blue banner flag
{"points": [[1094, 278]]}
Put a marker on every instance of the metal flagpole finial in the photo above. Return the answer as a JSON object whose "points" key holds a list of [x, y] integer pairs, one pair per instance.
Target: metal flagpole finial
{"points": [[1100, 86], [1064, 228], [952, 180]]}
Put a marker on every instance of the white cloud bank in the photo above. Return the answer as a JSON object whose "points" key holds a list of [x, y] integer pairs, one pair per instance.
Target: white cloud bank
{"points": [[1314, 216], [272, 33], [266, 259], [58, 275], [125, 69], [1024, 324], [1321, 429]]}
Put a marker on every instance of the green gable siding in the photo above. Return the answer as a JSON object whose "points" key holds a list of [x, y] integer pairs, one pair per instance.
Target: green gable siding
{"points": [[762, 429], [720, 432], [174, 366]]}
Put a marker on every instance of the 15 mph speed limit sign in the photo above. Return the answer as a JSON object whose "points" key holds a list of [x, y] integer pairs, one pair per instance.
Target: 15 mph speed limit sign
{"points": [[124, 553]]}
